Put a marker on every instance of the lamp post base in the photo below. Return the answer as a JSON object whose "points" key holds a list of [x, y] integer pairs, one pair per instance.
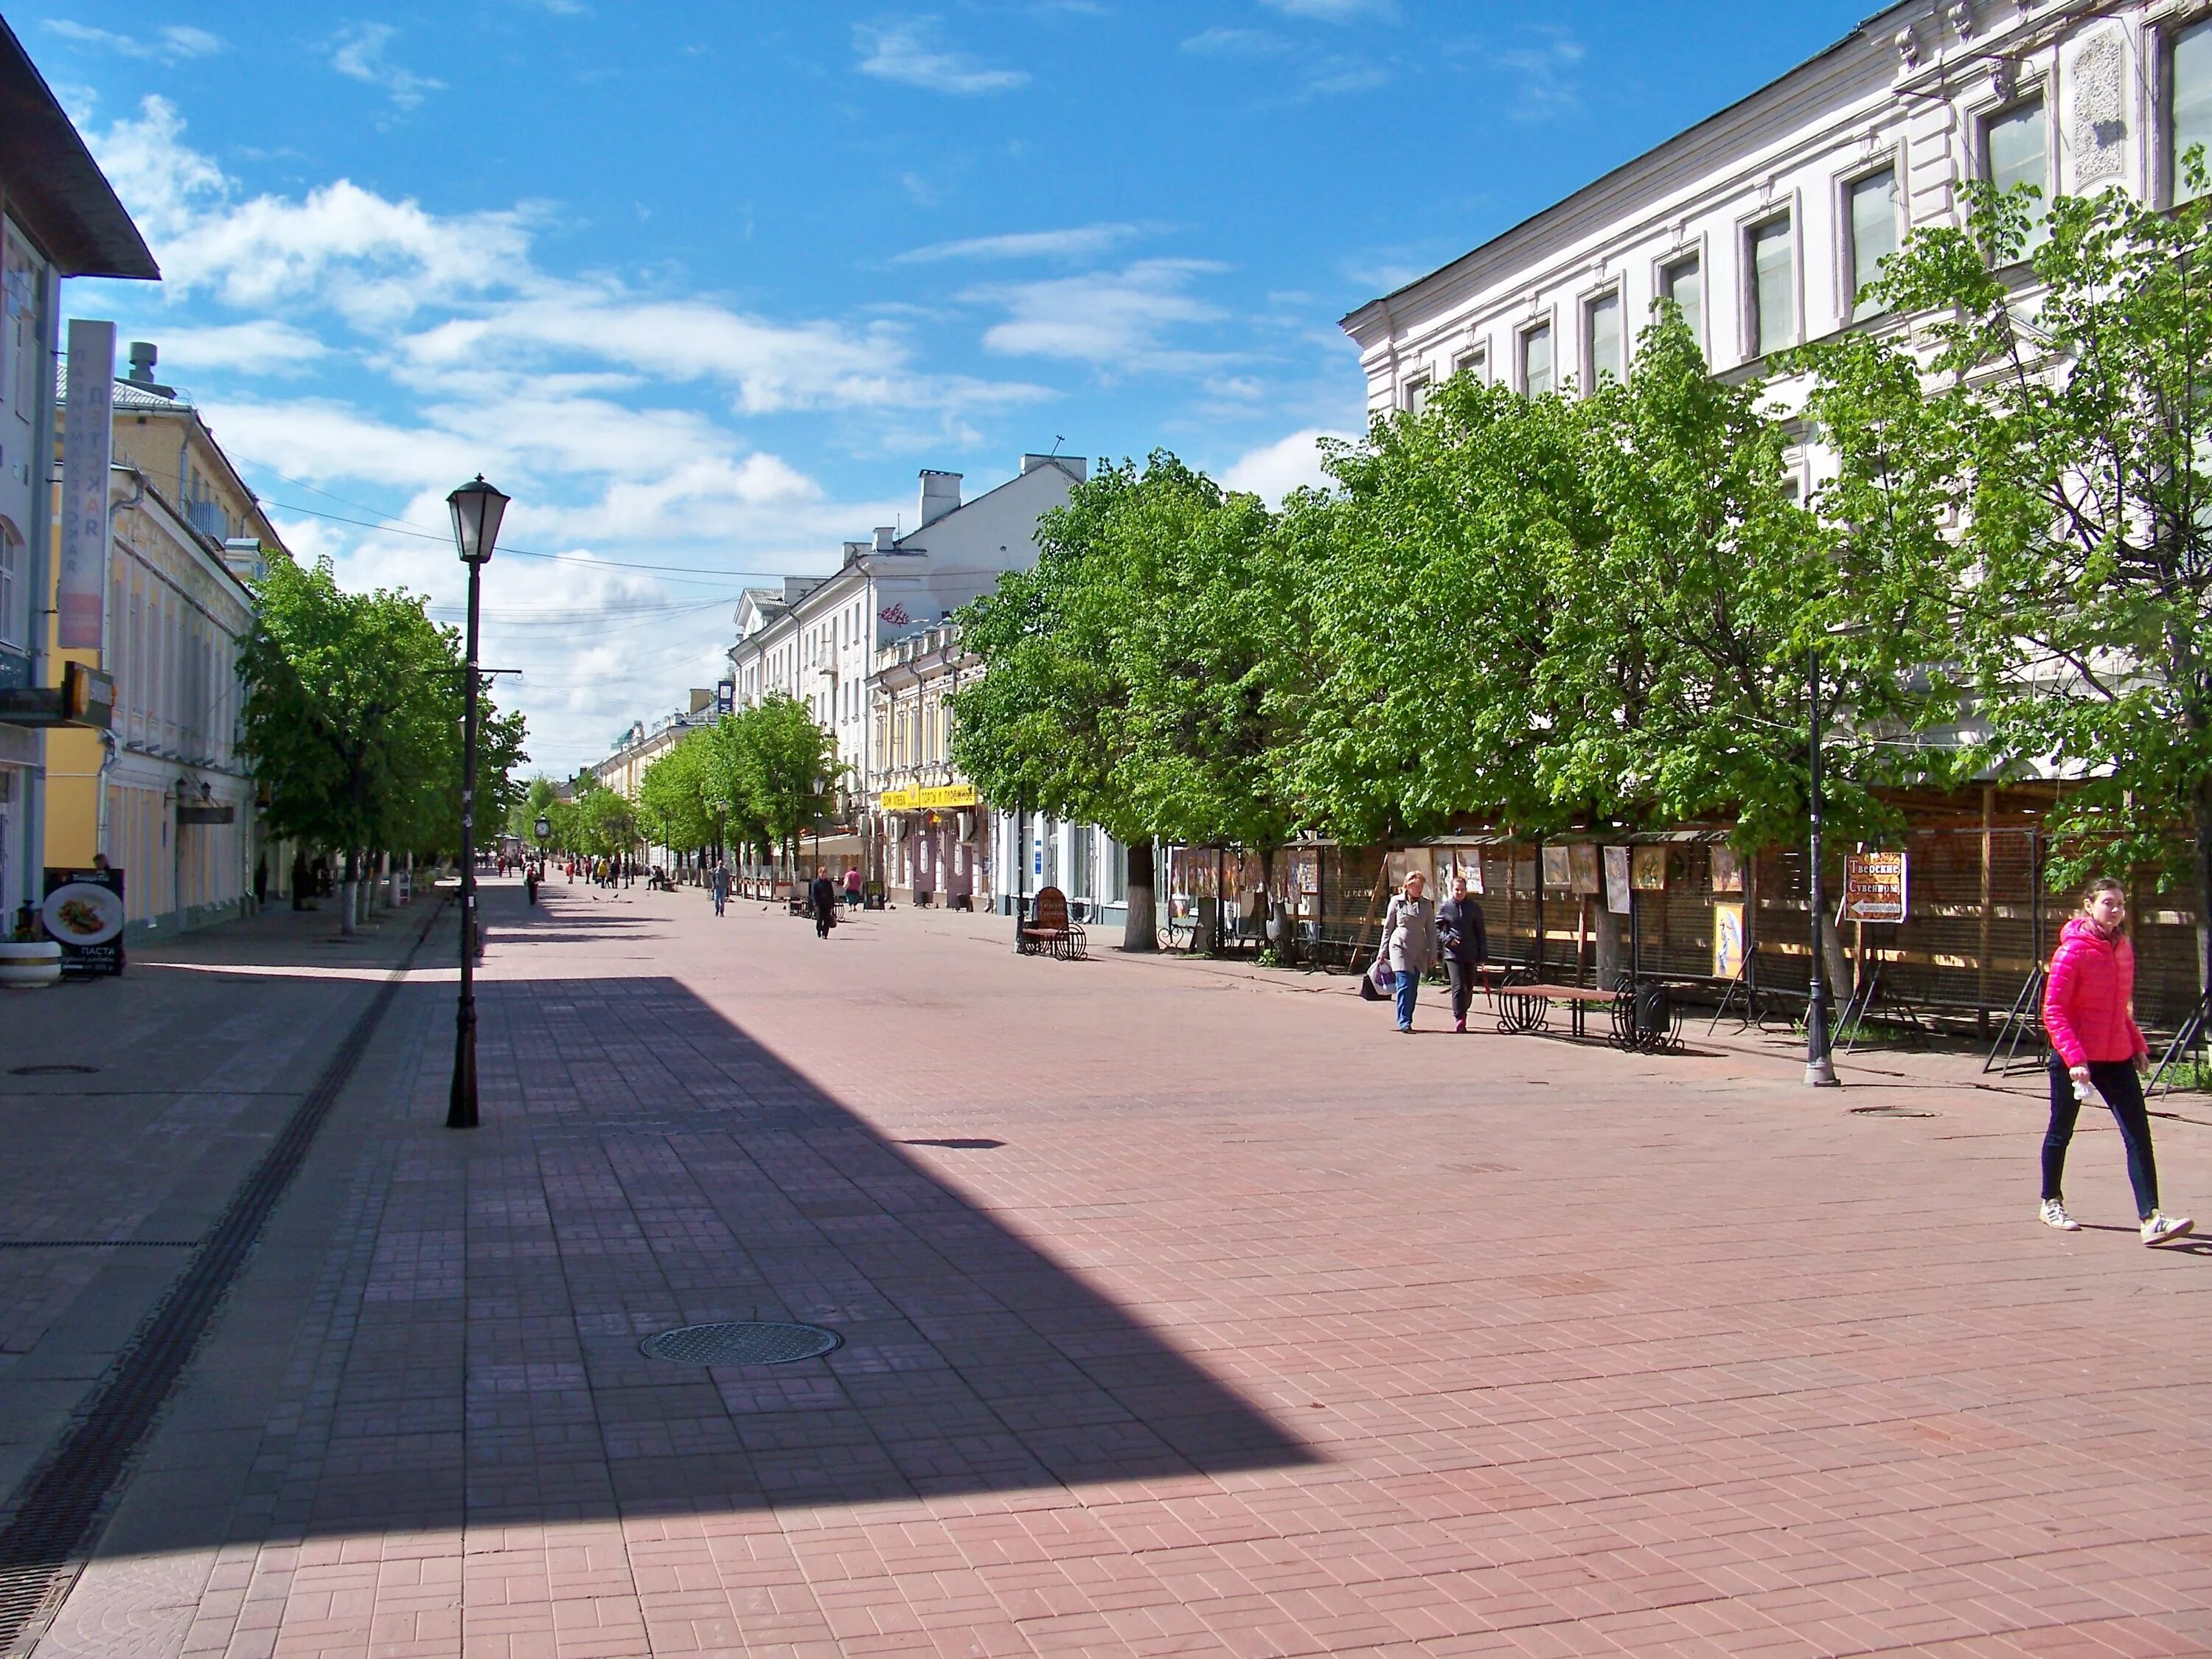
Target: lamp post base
{"points": [[461, 1105]]}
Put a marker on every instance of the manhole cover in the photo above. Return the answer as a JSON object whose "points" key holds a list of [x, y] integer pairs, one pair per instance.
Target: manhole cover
{"points": [[747, 1342], [1889, 1111], [52, 1071]]}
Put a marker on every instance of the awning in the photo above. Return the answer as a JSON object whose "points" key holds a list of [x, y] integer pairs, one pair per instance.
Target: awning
{"points": [[832, 847]]}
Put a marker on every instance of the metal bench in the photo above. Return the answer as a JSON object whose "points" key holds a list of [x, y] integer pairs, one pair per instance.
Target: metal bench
{"points": [[1051, 931]]}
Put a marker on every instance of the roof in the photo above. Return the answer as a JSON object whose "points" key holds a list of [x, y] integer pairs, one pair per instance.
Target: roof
{"points": [[1566, 205], [54, 187]]}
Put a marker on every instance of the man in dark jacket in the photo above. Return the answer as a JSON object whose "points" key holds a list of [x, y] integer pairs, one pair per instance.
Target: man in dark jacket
{"points": [[822, 899], [1467, 942]]}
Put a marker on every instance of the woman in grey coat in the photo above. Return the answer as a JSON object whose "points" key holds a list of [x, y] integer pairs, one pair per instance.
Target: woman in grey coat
{"points": [[1409, 942]]}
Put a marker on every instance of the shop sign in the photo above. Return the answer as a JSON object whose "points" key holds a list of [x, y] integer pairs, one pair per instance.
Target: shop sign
{"points": [[88, 443], [942, 798], [1873, 887], [83, 913], [899, 800]]}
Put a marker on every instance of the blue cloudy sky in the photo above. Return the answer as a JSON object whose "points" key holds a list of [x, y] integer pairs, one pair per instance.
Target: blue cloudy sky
{"points": [[703, 285]]}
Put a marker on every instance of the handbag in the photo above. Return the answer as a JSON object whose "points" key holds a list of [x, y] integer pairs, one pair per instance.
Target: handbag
{"points": [[1378, 983]]}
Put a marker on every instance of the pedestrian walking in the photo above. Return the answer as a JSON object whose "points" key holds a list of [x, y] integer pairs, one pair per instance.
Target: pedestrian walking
{"points": [[1409, 944], [1466, 939], [2088, 1008], [822, 899], [721, 887], [852, 888]]}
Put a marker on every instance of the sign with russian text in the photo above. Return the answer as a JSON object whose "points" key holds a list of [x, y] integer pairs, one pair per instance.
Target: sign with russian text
{"points": [[84, 912], [88, 443], [1873, 887]]}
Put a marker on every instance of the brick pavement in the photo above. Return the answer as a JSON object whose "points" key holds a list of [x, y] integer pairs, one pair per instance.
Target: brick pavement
{"points": [[1186, 1311]]}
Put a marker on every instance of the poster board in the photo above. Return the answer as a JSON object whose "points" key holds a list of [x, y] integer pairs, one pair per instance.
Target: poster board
{"points": [[1556, 870], [1727, 941], [1619, 894], [1583, 869], [84, 912], [1874, 887]]}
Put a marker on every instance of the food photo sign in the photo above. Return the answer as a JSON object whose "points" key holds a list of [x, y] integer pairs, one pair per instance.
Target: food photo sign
{"points": [[84, 914]]}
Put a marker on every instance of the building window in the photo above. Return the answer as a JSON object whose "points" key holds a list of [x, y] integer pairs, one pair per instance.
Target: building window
{"points": [[1537, 360], [1683, 280], [11, 630], [1078, 861], [1417, 395], [1773, 286], [2189, 104], [1601, 338], [1873, 204], [2016, 150], [1474, 363]]}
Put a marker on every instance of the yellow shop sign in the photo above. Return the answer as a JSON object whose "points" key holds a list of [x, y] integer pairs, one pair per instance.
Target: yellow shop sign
{"points": [[930, 800]]}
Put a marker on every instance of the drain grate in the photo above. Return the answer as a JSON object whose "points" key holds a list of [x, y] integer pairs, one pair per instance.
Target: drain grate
{"points": [[59, 1510], [745, 1342], [63, 1070], [1890, 1111]]}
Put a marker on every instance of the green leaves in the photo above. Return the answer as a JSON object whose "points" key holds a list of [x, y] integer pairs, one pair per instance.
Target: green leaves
{"points": [[765, 770], [352, 718]]}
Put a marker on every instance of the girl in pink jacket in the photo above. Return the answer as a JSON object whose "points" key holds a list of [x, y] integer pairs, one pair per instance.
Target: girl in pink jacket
{"points": [[2088, 1009]]}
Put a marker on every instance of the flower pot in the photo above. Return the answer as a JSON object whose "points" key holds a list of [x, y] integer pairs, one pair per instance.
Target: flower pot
{"points": [[27, 966]]}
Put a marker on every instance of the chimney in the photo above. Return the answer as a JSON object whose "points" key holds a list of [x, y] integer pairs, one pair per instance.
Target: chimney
{"points": [[941, 494], [1077, 466], [143, 357], [886, 538]]}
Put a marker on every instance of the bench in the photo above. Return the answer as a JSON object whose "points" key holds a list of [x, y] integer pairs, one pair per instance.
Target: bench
{"points": [[1524, 1008], [1051, 931]]}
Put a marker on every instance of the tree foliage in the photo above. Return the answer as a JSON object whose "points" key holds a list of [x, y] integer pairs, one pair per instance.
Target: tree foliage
{"points": [[2024, 478], [352, 719]]}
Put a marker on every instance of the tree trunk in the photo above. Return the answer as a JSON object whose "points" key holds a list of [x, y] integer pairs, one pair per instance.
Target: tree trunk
{"points": [[1140, 930], [348, 886], [2202, 850]]}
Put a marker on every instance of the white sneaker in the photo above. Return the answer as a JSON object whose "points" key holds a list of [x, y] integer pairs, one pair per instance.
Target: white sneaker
{"points": [[2054, 1215], [2165, 1229]]}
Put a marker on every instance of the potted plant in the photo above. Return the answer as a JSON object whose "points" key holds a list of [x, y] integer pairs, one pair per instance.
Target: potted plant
{"points": [[27, 961]]}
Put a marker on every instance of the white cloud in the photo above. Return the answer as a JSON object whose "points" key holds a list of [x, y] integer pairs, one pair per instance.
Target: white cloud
{"points": [[1334, 11], [171, 43], [908, 53], [1543, 75], [358, 54], [1222, 41], [1110, 320], [265, 345], [1275, 470], [1077, 242]]}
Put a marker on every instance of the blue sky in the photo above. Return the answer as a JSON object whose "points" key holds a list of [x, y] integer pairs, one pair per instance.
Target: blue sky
{"points": [[703, 286]]}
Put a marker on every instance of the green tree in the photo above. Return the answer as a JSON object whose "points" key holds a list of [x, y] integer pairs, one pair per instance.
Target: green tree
{"points": [[671, 800], [351, 719], [2027, 472], [765, 772], [1131, 678]]}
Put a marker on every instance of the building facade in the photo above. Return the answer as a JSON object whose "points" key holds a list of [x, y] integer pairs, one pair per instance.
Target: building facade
{"points": [[163, 793], [823, 639], [623, 771], [1765, 221], [58, 218]]}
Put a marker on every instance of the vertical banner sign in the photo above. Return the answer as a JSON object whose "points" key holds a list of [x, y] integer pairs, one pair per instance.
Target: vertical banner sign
{"points": [[1874, 887], [88, 438]]}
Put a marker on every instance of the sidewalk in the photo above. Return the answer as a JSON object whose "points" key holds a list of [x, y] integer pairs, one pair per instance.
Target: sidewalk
{"points": [[1181, 1315]]}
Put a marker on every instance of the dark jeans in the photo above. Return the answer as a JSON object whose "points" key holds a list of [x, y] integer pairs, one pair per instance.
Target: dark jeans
{"points": [[1409, 991], [1463, 982], [2117, 1081]]}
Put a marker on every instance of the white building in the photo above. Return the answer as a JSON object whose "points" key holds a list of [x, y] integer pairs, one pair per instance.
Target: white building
{"points": [[819, 638], [61, 218], [1767, 219]]}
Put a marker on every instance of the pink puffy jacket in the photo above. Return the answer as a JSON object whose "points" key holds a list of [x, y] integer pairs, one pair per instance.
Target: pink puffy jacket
{"points": [[2088, 1006]]}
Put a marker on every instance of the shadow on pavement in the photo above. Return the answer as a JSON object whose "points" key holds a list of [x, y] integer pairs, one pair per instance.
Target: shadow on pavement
{"points": [[645, 1163]]}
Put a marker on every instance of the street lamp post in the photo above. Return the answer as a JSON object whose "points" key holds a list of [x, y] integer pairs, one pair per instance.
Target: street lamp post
{"points": [[1819, 1065], [477, 509]]}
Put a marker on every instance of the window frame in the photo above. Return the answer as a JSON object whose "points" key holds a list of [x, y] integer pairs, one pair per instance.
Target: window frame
{"points": [[1662, 285], [1414, 393], [1891, 162], [1989, 109], [1476, 357], [1547, 320], [2164, 164], [1616, 290], [1784, 210]]}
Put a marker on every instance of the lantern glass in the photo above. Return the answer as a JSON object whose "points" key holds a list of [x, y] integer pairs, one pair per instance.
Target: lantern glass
{"points": [[477, 509]]}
